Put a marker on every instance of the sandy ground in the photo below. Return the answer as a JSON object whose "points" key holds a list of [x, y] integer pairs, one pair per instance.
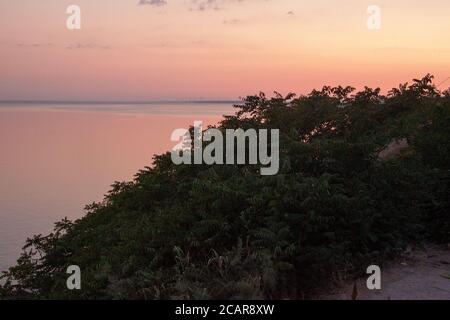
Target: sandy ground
{"points": [[418, 275]]}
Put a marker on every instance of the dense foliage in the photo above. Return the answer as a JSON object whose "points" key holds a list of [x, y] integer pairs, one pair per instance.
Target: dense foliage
{"points": [[224, 231]]}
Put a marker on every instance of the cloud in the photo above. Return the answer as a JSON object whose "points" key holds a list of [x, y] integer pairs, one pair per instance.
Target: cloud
{"points": [[177, 44], [194, 5], [34, 45], [78, 45], [233, 21], [202, 5], [87, 46], [156, 3]]}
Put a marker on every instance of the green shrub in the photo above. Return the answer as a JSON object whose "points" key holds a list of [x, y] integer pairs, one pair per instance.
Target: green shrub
{"points": [[225, 232]]}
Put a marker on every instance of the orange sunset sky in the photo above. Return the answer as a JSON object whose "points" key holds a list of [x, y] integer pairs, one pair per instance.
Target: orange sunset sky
{"points": [[215, 49]]}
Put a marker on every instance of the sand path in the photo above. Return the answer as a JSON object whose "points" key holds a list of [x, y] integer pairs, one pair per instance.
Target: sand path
{"points": [[418, 275]]}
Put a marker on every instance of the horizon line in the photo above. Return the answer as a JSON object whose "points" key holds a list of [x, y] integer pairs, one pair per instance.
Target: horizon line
{"points": [[114, 102]]}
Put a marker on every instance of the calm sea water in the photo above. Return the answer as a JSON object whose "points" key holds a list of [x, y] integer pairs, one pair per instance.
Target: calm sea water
{"points": [[56, 158]]}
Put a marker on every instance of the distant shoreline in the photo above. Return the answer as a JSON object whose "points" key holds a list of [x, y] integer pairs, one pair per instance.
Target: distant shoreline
{"points": [[119, 102]]}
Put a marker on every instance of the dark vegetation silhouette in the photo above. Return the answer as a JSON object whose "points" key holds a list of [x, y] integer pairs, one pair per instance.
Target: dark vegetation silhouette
{"points": [[224, 231]]}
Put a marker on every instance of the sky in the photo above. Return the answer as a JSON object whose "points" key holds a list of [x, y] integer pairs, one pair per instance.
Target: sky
{"points": [[138, 50]]}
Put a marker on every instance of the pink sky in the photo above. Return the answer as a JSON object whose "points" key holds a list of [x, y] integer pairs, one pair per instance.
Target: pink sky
{"points": [[185, 50]]}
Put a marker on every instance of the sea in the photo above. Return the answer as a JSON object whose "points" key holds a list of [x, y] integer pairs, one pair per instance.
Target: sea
{"points": [[58, 157]]}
